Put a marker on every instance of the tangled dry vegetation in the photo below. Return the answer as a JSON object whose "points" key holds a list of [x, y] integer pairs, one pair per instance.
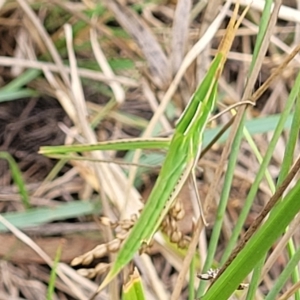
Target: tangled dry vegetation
{"points": [[122, 57]]}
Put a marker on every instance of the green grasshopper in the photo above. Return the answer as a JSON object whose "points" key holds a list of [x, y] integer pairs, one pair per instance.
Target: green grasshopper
{"points": [[180, 161]]}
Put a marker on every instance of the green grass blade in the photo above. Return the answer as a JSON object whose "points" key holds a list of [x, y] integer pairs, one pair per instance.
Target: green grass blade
{"points": [[39, 216], [255, 280], [15, 95], [292, 139], [263, 25], [133, 290], [17, 178], [21, 80], [14, 90], [51, 285], [256, 247], [235, 149], [284, 276], [286, 164], [191, 285], [261, 172]]}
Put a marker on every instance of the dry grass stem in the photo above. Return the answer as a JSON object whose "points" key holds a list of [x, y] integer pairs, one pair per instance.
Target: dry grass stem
{"points": [[82, 73]]}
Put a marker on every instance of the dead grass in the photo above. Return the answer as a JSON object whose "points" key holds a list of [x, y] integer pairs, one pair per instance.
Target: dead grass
{"points": [[153, 63]]}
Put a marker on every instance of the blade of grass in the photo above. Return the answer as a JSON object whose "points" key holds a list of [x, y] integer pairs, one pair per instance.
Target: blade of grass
{"points": [[51, 285], [255, 278], [133, 290], [256, 248], [17, 178], [284, 275], [38, 216], [286, 164], [221, 208], [21, 80], [15, 95], [257, 271], [240, 119], [261, 172], [232, 161], [225, 196], [191, 285], [263, 27]]}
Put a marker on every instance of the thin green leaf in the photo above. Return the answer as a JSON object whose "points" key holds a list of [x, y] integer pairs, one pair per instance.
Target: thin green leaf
{"points": [[17, 178], [192, 279], [256, 247], [15, 95], [235, 149], [286, 165], [39, 216], [21, 81], [254, 187], [51, 285], [133, 290], [284, 275]]}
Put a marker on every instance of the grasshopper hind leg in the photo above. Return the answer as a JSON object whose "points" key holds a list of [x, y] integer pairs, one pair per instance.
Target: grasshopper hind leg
{"points": [[198, 198]]}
